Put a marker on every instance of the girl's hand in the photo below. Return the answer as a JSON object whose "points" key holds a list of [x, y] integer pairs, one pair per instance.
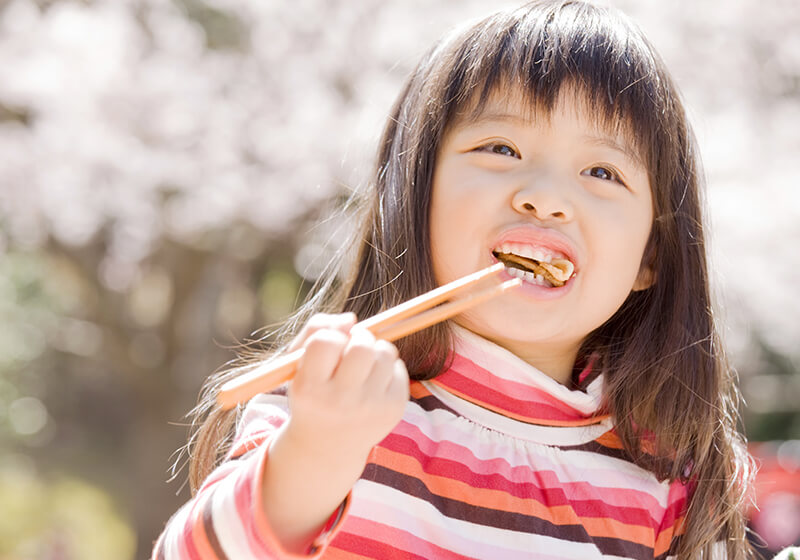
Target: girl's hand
{"points": [[349, 390], [348, 393]]}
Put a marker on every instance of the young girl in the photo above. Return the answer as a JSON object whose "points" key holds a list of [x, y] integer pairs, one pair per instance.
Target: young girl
{"points": [[593, 419]]}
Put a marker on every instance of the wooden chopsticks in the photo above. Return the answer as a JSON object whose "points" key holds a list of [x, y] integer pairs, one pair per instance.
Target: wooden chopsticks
{"points": [[399, 321]]}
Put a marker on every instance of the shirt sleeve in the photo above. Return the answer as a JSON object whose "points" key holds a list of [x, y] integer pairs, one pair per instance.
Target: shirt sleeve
{"points": [[673, 525], [225, 519]]}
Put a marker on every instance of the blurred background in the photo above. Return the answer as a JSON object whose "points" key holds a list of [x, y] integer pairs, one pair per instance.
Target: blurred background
{"points": [[164, 167]]}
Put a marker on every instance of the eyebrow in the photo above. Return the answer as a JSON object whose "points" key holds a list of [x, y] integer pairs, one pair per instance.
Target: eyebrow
{"points": [[496, 117], [624, 149]]}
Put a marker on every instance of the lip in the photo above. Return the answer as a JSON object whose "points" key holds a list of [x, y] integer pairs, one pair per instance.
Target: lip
{"points": [[547, 238]]}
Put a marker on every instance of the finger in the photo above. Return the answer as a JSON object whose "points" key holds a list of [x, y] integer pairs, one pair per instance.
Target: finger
{"points": [[341, 321], [323, 351], [386, 349], [399, 384], [382, 370], [388, 385], [377, 382], [357, 359]]}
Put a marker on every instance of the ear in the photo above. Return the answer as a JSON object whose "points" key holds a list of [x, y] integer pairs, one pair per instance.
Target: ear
{"points": [[647, 272], [645, 279]]}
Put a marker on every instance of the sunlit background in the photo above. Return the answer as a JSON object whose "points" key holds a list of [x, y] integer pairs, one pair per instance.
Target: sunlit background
{"points": [[162, 166]]}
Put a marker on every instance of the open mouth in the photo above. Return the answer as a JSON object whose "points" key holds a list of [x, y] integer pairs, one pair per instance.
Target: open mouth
{"points": [[535, 265]]}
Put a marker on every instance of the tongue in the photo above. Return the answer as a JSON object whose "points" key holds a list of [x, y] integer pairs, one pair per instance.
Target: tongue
{"points": [[556, 272]]}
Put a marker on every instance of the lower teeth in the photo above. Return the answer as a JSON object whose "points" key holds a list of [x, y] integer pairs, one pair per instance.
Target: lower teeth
{"points": [[529, 277]]}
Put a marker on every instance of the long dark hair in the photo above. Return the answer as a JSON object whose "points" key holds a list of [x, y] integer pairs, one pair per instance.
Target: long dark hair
{"points": [[667, 377]]}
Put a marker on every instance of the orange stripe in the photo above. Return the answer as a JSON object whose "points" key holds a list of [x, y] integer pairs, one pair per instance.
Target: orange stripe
{"points": [[665, 537], [663, 542], [607, 527], [333, 553], [679, 525], [610, 439], [458, 490], [418, 390], [503, 501]]}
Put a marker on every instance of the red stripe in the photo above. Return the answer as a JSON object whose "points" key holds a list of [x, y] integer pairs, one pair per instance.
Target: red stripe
{"points": [[188, 534], [525, 390], [248, 443], [499, 402], [384, 551], [412, 545], [370, 548], [243, 492], [219, 474], [533, 403], [676, 509], [256, 432]]}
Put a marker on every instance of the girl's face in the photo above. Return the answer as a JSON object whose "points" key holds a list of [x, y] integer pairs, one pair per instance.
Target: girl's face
{"points": [[548, 189]]}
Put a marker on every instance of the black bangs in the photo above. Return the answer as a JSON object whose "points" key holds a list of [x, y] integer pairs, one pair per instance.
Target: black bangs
{"points": [[545, 49]]}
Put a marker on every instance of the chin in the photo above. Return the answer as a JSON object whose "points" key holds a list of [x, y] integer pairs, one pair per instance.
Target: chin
{"points": [[513, 326]]}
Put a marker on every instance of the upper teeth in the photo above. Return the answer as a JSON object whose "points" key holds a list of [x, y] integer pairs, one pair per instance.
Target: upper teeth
{"points": [[540, 254]]}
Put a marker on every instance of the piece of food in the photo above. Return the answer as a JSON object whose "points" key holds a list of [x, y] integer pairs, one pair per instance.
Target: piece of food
{"points": [[556, 272]]}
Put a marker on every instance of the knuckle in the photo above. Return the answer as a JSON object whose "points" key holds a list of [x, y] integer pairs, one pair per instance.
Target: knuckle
{"points": [[326, 339], [361, 342], [314, 324], [361, 350], [400, 374], [400, 368], [347, 317], [362, 335], [318, 321]]}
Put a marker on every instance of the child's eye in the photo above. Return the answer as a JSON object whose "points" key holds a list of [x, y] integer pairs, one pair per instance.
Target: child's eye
{"points": [[604, 173], [499, 148]]}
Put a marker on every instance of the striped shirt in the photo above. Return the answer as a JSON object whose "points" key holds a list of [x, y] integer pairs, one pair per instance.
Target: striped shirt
{"points": [[493, 460]]}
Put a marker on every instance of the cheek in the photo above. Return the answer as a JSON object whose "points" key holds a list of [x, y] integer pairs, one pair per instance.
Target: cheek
{"points": [[458, 222], [626, 242], [448, 237], [464, 206], [442, 233]]}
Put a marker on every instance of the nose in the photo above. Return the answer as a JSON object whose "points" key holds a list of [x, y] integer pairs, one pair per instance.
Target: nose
{"points": [[544, 200]]}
